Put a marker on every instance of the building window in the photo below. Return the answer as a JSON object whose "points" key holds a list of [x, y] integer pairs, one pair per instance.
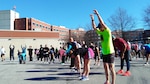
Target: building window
{"points": [[40, 25], [9, 39], [33, 23]]}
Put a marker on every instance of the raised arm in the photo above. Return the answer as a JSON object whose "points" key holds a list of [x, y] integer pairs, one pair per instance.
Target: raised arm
{"points": [[93, 22], [100, 19]]}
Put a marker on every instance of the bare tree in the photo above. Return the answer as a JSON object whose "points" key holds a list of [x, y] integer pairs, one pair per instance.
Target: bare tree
{"points": [[147, 16], [121, 21], [88, 26]]}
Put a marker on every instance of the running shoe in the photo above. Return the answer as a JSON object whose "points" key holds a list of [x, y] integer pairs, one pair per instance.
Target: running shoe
{"points": [[84, 78], [146, 63], [80, 77], [74, 70], [106, 83], [120, 71], [127, 73]]}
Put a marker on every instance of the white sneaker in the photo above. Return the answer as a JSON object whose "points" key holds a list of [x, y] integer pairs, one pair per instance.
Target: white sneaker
{"points": [[80, 77], [73, 70], [84, 78], [62, 63], [146, 63]]}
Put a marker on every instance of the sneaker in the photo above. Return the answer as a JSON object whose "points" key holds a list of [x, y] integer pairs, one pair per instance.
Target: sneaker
{"points": [[84, 78], [80, 77], [74, 70], [127, 73], [62, 63], [106, 83], [120, 71], [146, 63]]}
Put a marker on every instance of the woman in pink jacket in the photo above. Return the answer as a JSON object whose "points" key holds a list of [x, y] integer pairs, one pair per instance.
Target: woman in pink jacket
{"points": [[62, 54]]}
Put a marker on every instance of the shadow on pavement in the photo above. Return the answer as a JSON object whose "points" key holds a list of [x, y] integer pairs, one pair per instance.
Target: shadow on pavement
{"points": [[52, 78], [42, 71], [76, 73], [62, 76]]}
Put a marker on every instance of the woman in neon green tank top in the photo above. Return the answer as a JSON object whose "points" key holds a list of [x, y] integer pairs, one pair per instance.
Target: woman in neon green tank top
{"points": [[107, 47]]}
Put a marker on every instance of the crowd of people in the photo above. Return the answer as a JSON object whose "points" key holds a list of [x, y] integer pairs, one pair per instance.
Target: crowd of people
{"points": [[81, 53], [115, 46]]}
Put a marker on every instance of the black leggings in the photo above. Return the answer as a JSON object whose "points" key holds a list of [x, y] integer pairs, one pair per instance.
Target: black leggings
{"points": [[126, 58]]}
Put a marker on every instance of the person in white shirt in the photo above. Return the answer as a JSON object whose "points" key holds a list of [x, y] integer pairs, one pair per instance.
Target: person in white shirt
{"points": [[2, 51], [130, 58]]}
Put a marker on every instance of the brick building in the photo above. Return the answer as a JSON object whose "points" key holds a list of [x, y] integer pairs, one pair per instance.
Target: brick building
{"points": [[92, 36], [78, 35], [146, 36]]}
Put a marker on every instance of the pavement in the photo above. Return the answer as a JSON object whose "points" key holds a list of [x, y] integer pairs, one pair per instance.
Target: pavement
{"points": [[37, 72]]}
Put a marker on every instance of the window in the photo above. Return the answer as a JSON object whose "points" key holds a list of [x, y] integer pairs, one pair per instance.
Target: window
{"points": [[40, 25], [33, 23]]}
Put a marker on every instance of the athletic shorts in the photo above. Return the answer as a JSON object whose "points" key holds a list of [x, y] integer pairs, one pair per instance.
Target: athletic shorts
{"points": [[77, 52], [2, 54], [89, 54], [97, 57], [46, 55], [108, 58], [147, 52], [86, 56]]}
